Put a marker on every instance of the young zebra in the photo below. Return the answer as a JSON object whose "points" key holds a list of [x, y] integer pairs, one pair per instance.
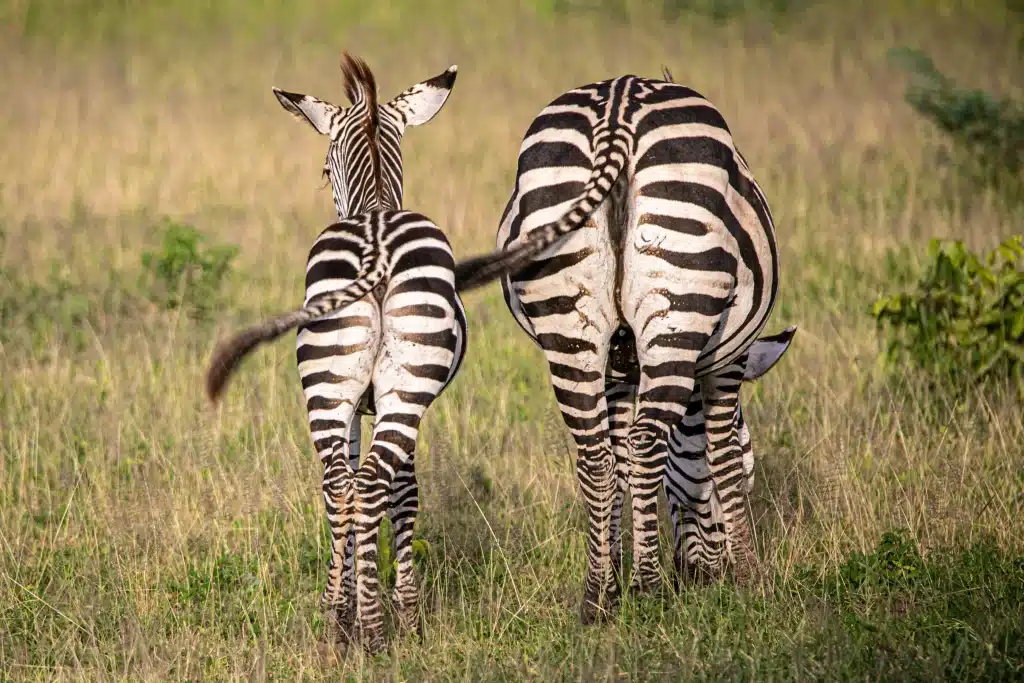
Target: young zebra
{"points": [[382, 332], [677, 272]]}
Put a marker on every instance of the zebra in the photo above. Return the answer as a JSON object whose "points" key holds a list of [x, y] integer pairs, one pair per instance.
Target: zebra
{"points": [[382, 331], [677, 272]]}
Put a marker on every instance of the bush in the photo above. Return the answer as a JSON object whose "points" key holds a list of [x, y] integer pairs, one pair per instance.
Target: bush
{"points": [[965, 320], [185, 273], [33, 314], [987, 133]]}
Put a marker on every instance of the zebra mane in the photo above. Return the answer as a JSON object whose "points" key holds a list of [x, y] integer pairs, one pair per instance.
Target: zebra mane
{"points": [[361, 86]]}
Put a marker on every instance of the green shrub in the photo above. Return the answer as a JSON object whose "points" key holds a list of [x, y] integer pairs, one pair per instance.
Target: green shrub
{"points": [[965, 319], [32, 314], [184, 273], [987, 133]]}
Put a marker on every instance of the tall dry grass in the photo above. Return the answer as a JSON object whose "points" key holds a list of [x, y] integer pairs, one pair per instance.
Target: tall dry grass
{"points": [[143, 535]]}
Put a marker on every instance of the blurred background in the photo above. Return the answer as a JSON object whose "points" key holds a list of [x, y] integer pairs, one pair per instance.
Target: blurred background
{"points": [[154, 196]]}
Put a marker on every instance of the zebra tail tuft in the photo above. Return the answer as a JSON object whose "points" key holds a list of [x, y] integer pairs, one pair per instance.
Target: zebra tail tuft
{"points": [[612, 150], [230, 353]]}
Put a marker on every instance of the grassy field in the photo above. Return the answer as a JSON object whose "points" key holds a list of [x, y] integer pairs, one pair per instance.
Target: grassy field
{"points": [[145, 536]]}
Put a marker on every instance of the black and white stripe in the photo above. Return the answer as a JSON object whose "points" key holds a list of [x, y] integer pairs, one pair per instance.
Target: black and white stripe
{"points": [[382, 332], [676, 272]]}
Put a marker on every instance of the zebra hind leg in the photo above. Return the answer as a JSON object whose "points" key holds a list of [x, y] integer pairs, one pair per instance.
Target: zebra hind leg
{"points": [[585, 412], [725, 462], [386, 474], [403, 509], [372, 494], [666, 384], [621, 398], [338, 598], [698, 540], [349, 575]]}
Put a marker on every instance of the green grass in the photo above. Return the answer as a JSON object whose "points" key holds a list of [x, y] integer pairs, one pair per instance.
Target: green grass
{"points": [[889, 614], [146, 536]]}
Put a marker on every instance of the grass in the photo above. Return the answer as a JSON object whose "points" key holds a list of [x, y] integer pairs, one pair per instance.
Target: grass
{"points": [[144, 536]]}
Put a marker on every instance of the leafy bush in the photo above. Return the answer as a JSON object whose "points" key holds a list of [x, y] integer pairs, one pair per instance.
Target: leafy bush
{"points": [[895, 563], [965, 320], [988, 133], [33, 313], [185, 273]]}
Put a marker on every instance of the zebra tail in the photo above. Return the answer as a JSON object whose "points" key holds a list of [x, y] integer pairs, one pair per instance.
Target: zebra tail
{"points": [[230, 353], [612, 147]]}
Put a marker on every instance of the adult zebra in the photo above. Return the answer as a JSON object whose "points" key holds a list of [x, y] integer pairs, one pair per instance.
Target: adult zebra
{"points": [[677, 272], [382, 331]]}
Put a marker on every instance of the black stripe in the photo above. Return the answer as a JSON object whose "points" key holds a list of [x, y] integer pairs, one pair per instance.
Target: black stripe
{"points": [[307, 352], [420, 310], [567, 372], [336, 324], [556, 305], [437, 373], [714, 260], [684, 226], [556, 264], [334, 269], [552, 341], [544, 197], [444, 339]]}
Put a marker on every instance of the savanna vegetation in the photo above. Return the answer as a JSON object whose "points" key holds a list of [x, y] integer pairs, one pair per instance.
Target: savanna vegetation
{"points": [[154, 196]]}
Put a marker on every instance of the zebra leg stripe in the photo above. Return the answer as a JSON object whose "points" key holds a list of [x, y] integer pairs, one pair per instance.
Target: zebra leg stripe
{"points": [[725, 462], [337, 491], [621, 399], [699, 531], [347, 615], [371, 499], [595, 471], [402, 511], [670, 336]]}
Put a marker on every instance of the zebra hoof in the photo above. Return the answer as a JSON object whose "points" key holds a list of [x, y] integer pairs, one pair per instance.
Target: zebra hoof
{"points": [[330, 652], [700, 574], [590, 613], [646, 583], [596, 611], [374, 644], [410, 622]]}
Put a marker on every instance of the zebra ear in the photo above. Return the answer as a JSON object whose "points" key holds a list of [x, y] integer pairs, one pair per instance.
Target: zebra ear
{"points": [[421, 102], [316, 112], [766, 352]]}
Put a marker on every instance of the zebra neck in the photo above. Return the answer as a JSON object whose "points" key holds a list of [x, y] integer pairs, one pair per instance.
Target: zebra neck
{"points": [[369, 200]]}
